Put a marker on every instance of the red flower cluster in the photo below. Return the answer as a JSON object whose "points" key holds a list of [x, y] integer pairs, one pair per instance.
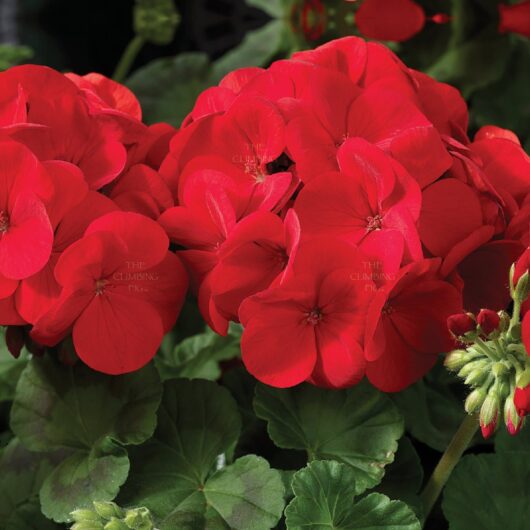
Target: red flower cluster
{"points": [[335, 206], [80, 249]]}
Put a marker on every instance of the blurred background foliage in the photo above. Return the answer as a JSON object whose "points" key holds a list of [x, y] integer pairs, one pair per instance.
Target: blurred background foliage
{"points": [[460, 43]]}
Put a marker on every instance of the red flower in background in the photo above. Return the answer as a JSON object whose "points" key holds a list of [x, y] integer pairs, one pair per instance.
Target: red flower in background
{"points": [[515, 18], [395, 20]]}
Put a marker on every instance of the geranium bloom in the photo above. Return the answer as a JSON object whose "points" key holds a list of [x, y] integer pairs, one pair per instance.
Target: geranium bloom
{"points": [[26, 233], [121, 291], [407, 325], [311, 326], [255, 254], [36, 294], [371, 195], [54, 121]]}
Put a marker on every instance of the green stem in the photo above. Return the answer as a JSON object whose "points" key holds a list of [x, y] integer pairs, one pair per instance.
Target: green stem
{"points": [[447, 463], [127, 59]]}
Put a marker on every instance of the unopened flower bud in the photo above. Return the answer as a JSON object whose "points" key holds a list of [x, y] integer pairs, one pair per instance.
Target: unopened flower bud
{"points": [[478, 364], [522, 400], [488, 429], [116, 524], [156, 20], [461, 324], [476, 377], [512, 419], [522, 288], [504, 323], [108, 510], [489, 413], [85, 515], [456, 359], [489, 321], [87, 525], [139, 519], [475, 399]]}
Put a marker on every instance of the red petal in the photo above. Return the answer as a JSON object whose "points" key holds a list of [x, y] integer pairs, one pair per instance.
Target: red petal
{"points": [[276, 329], [26, 246], [451, 211], [117, 335], [146, 241]]}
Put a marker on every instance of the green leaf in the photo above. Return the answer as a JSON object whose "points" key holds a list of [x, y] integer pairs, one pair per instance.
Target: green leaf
{"points": [[506, 103], [257, 49], [504, 442], [324, 498], [359, 426], [274, 8], [167, 88], [473, 64], [10, 369], [199, 356], [404, 477], [89, 414], [490, 492], [11, 54], [175, 476], [21, 475], [432, 408], [81, 479], [28, 516]]}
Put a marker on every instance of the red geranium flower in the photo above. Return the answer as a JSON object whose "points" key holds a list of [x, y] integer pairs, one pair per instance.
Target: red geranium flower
{"points": [[372, 194], [121, 291], [54, 121], [317, 315], [407, 325]]}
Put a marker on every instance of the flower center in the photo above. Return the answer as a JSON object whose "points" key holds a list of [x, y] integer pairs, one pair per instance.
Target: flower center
{"points": [[374, 223], [4, 222], [314, 316], [387, 309], [100, 286]]}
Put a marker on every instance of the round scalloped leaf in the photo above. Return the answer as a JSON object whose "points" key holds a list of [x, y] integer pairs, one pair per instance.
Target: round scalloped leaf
{"points": [[324, 499], [490, 492], [359, 427]]}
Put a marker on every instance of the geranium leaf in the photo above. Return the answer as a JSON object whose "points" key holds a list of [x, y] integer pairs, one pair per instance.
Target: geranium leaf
{"points": [[167, 88], [81, 479], [199, 356], [324, 499], [246, 494], [432, 408], [504, 442], [335, 425], [28, 516], [10, 369], [89, 414], [404, 476], [22, 473], [489, 491], [175, 476]]}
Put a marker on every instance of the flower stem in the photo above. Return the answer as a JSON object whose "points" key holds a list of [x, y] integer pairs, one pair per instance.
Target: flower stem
{"points": [[127, 59], [447, 463]]}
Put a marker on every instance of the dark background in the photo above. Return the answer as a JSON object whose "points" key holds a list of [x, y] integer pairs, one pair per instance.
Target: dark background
{"points": [[52, 29]]}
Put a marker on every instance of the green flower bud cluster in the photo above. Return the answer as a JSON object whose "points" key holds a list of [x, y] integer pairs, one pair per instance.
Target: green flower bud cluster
{"points": [[156, 20], [493, 362], [109, 516]]}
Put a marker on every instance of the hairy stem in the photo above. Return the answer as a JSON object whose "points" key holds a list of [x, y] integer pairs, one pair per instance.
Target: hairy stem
{"points": [[448, 461], [127, 59]]}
